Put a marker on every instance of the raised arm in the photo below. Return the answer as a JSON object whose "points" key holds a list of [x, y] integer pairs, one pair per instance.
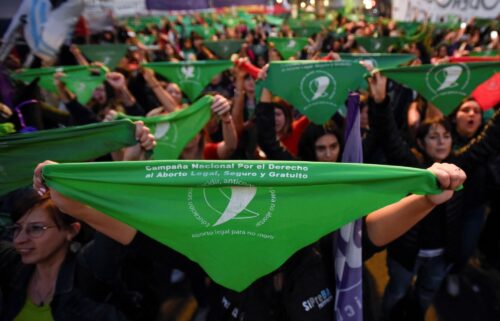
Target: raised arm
{"points": [[101, 222], [383, 125], [222, 109], [166, 100], [119, 84], [390, 222]]}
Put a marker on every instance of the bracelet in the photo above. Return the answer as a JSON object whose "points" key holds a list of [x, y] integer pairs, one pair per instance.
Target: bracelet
{"points": [[238, 92]]}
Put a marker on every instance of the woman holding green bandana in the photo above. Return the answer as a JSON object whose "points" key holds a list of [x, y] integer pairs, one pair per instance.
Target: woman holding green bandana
{"points": [[430, 249], [43, 276]]}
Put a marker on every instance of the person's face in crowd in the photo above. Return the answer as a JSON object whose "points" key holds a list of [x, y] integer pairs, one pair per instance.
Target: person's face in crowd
{"points": [[99, 95], [336, 45], [169, 49], [437, 143], [216, 80], [279, 120], [468, 118], [191, 150], [273, 55], [175, 92], [327, 148], [443, 52], [40, 240], [249, 84], [187, 44]]}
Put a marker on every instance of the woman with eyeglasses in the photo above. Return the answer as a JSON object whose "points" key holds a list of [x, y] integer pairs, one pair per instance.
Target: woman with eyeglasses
{"points": [[42, 276]]}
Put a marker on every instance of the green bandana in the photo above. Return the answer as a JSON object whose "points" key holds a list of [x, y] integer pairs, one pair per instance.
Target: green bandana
{"points": [[141, 23], [272, 20], [7, 128], [380, 44], [409, 27], [173, 131], [238, 220], [79, 79], [288, 47], [110, 54], [378, 60], [203, 31], [20, 153], [147, 40], [316, 89], [192, 77], [306, 31], [445, 85], [224, 48]]}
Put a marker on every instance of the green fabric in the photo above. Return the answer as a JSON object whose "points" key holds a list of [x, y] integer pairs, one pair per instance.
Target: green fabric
{"points": [[409, 27], [147, 40], [175, 130], [109, 54], [316, 89], [486, 53], [46, 75], [240, 220], [274, 20], [81, 80], [203, 31], [380, 44], [380, 60], [288, 47], [7, 128], [229, 21], [306, 31], [192, 77], [31, 311], [20, 153], [224, 48], [141, 23], [445, 85]]}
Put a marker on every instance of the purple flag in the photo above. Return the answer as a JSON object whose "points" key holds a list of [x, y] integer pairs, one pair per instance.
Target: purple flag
{"points": [[176, 4], [348, 256], [229, 3]]}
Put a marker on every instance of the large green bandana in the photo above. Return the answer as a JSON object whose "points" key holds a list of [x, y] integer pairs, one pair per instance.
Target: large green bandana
{"points": [[380, 44], [147, 40], [20, 153], [316, 89], [288, 47], [173, 131], [110, 54], [238, 220], [81, 80], [409, 27], [444, 85], [192, 77], [224, 48]]}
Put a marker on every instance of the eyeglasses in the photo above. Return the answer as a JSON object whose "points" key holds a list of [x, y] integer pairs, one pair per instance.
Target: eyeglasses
{"points": [[33, 230]]}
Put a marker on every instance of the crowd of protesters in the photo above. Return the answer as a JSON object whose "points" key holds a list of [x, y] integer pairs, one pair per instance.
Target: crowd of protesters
{"points": [[54, 266]]}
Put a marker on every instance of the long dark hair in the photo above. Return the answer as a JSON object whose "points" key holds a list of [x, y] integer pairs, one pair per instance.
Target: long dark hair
{"points": [[311, 134]]}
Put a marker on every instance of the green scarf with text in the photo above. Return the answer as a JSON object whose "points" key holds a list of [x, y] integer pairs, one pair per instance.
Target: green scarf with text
{"points": [[240, 220]]}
